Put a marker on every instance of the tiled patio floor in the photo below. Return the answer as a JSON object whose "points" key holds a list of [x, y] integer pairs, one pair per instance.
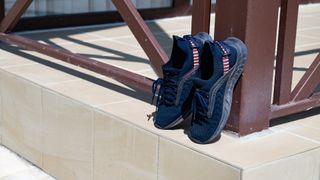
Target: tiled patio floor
{"points": [[114, 44]]}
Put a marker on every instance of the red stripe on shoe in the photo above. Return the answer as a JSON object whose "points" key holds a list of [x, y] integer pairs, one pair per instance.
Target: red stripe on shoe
{"points": [[195, 54]]}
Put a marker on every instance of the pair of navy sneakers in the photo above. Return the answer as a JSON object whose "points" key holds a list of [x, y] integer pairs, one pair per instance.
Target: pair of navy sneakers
{"points": [[198, 80]]}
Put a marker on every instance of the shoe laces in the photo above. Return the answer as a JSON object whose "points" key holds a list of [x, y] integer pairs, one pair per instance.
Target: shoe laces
{"points": [[200, 107], [167, 91]]}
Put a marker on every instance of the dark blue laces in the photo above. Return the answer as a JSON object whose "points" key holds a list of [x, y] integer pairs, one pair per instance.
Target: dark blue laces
{"points": [[200, 107], [167, 91]]}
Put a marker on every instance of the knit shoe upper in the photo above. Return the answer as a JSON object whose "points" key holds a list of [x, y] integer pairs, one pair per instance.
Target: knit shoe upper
{"points": [[221, 66], [175, 92]]}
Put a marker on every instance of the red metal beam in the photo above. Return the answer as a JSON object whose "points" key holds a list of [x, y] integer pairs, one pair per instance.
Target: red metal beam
{"points": [[308, 82], [142, 33], [2, 9], [13, 16], [294, 107], [126, 77], [201, 10], [255, 22], [285, 54]]}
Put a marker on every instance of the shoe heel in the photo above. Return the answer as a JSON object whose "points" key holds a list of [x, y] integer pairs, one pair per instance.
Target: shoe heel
{"points": [[240, 47], [203, 37]]}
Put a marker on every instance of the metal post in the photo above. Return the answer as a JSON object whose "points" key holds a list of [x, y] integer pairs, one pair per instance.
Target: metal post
{"points": [[285, 54], [201, 10], [255, 22], [2, 9]]}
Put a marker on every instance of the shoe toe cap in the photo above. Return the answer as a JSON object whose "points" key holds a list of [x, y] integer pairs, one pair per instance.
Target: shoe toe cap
{"points": [[166, 116], [202, 134]]}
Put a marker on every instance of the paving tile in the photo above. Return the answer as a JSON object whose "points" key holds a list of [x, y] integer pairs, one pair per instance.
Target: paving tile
{"points": [[133, 61], [128, 112], [184, 22], [304, 166], [40, 74], [313, 121], [164, 25], [108, 92], [309, 9], [68, 138], [178, 162], [307, 22], [303, 42], [312, 33], [8, 59], [110, 31], [163, 39], [275, 146], [95, 48], [22, 117], [302, 129], [58, 36], [123, 151]]}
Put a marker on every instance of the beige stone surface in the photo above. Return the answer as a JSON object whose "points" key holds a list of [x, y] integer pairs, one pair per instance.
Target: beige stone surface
{"points": [[68, 138], [135, 61], [93, 94], [113, 31], [273, 144], [260, 150], [40, 74], [57, 37], [304, 166], [22, 117], [166, 25], [308, 128], [180, 163], [14, 59], [123, 151], [99, 46]]}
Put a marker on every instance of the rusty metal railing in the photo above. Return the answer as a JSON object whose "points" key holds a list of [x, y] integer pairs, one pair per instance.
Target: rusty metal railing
{"points": [[302, 97], [256, 23], [253, 21]]}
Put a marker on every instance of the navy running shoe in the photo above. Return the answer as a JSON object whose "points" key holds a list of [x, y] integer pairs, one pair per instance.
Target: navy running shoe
{"points": [[175, 93], [222, 63]]}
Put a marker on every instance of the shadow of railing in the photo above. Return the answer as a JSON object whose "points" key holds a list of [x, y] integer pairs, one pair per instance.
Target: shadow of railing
{"points": [[135, 93]]}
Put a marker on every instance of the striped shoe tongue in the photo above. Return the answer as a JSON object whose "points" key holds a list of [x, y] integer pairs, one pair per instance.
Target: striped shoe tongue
{"points": [[195, 53], [225, 58]]}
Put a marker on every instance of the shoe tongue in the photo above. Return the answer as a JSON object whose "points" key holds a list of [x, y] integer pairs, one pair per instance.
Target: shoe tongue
{"points": [[181, 50]]}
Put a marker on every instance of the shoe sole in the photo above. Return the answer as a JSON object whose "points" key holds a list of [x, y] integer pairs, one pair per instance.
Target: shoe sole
{"points": [[176, 122], [231, 82]]}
